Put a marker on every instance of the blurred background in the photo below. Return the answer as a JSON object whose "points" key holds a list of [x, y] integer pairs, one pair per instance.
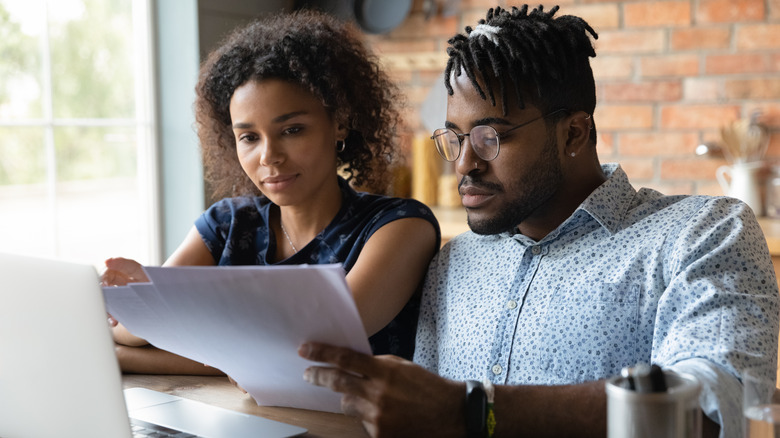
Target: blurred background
{"points": [[98, 155]]}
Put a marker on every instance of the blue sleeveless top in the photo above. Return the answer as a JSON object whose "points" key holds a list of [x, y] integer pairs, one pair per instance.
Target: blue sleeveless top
{"points": [[236, 232]]}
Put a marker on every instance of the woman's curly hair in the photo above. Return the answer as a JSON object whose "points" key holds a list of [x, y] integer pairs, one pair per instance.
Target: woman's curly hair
{"points": [[324, 56]]}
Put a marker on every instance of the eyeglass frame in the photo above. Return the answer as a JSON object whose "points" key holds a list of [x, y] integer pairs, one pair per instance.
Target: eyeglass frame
{"points": [[498, 136]]}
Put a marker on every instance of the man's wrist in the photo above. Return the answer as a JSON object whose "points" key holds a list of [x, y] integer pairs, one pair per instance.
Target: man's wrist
{"points": [[476, 410]]}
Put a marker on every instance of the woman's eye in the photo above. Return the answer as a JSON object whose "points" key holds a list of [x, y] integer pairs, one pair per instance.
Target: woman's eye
{"points": [[247, 137], [292, 130]]}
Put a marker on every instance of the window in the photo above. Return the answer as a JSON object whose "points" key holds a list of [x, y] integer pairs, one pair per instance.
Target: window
{"points": [[77, 160]]}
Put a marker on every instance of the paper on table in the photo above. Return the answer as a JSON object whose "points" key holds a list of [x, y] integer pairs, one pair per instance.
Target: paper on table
{"points": [[247, 321]]}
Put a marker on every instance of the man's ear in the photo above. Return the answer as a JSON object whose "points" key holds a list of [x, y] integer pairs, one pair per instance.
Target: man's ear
{"points": [[577, 135]]}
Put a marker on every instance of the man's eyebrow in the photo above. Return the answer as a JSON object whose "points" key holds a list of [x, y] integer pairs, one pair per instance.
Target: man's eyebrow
{"points": [[483, 121], [492, 121], [279, 119]]}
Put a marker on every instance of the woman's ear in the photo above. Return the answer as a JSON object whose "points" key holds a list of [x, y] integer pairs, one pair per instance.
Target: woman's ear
{"points": [[341, 131], [578, 126]]}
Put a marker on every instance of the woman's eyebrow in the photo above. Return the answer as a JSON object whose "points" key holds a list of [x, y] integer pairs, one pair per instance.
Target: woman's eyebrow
{"points": [[279, 119]]}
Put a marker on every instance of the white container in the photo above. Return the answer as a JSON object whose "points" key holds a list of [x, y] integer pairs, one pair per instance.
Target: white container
{"points": [[744, 181], [674, 413]]}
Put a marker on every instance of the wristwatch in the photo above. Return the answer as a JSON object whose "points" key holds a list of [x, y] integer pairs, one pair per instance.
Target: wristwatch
{"points": [[476, 408]]}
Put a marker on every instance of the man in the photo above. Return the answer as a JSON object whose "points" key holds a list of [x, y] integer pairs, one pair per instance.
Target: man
{"points": [[569, 274]]}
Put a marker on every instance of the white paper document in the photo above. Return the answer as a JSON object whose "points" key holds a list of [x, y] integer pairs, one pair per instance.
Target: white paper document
{"points": [[247, 321]]}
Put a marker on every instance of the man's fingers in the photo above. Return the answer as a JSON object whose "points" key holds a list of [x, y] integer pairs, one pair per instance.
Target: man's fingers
{"points": [[343, 358], [335, 380]]}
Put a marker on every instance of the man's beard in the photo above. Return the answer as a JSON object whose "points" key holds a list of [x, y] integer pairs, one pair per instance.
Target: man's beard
{"points": [[533, 190]]}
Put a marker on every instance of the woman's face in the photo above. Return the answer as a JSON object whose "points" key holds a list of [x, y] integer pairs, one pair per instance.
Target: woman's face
{"points": [[285, 140]]}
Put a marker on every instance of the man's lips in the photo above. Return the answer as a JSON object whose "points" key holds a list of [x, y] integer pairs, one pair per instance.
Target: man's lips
{"points": [[473, 196]]}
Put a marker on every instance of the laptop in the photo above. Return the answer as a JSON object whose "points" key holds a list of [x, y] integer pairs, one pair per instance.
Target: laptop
{"points": [[59, 375]]}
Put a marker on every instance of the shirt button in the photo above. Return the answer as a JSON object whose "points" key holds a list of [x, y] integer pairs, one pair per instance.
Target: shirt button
{"points": [[497, 369], [536, 250], [511, 304]]}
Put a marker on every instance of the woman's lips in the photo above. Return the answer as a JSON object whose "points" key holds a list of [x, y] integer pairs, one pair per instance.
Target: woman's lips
{"points": [[279, 182]]}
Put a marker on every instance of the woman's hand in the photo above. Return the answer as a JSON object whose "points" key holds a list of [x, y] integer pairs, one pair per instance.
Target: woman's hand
{"points": [[121, 271]]}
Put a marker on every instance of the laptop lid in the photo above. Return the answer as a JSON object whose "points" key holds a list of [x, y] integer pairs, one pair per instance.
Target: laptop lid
{"points": [[58, 372]]}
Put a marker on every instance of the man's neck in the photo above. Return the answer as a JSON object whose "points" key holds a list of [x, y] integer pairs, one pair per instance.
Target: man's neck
{"points": [[564, 204]]}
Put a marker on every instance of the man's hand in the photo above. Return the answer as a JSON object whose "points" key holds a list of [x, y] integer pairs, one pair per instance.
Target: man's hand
{"points": [[392, 396]]}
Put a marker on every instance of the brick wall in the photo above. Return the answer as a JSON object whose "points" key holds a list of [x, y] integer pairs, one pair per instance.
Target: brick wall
{"points": [[668, 74]]}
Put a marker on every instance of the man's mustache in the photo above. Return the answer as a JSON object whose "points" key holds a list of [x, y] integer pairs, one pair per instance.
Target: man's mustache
{"points": [[478, 183]]}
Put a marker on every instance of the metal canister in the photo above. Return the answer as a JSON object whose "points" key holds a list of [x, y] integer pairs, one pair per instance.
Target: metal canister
{"points": [[671, 413]]}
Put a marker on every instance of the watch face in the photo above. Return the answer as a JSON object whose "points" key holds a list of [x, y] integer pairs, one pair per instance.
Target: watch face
{"points": [[381, 16]]}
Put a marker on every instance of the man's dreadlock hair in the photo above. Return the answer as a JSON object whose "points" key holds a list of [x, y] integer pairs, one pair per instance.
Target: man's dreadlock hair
{"points": [[545, 61]]}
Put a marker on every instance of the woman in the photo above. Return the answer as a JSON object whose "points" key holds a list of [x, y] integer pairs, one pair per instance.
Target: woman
{"points": [[281, 106]]}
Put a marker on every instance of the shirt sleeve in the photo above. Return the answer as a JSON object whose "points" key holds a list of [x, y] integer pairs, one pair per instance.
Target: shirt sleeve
{"points": [[720, 313], [721, 394], [426, 352]]}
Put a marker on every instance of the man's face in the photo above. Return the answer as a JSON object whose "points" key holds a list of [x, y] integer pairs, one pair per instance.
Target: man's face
{"points": [[521, 181]]}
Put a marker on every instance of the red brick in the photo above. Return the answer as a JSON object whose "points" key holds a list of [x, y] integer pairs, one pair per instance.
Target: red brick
{"points": [[728, 11], [670, 65], [612, 67], [700, 38], [416, 26], [638, 168], [387, 45], [465, 4], [599, 16], [657, 13], [605, 143], [621, 117], [694, 168], [658, 143], [774, 146], [763, 88], [738, 63], [758, 36], [709, 188], [703, 89], [672, 187], [631, 42], [774, 9], [697, 116], [770, 112], [642, 92]]}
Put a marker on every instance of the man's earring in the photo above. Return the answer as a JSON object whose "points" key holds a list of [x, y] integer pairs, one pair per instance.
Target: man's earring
{"points": [[573, 154]]}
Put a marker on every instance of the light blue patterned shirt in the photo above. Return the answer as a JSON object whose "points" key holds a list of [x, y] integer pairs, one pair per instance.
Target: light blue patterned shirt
{"points": [[682, 281]]}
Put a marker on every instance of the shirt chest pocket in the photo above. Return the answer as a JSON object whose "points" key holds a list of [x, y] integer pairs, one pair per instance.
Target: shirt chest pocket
{"points": [[591, 334]]}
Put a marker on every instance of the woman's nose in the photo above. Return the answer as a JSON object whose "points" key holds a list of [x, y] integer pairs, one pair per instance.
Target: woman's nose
{"points": [[270, 154]]}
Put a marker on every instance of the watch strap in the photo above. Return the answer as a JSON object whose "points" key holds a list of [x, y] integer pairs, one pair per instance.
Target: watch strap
{"points": [[476, 409]]}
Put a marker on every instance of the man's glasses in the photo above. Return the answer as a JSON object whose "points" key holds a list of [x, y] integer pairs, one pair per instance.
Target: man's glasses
{"points": [[484, 140]]}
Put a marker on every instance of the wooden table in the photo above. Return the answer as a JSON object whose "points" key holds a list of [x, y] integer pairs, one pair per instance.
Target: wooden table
{"points": [[218, 391]]}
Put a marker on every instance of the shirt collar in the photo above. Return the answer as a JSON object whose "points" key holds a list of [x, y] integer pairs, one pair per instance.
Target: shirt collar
{"points": [[609, 203]]}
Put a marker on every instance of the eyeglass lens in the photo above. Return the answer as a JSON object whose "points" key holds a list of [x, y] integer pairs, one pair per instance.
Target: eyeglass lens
{"points": [[483, 139]]}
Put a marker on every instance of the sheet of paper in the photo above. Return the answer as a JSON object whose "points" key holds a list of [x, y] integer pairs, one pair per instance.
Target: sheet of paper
{"points": [[247, 321]]}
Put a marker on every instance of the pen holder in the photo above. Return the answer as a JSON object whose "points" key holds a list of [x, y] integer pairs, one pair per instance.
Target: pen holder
{"points": [[674, 413]]}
